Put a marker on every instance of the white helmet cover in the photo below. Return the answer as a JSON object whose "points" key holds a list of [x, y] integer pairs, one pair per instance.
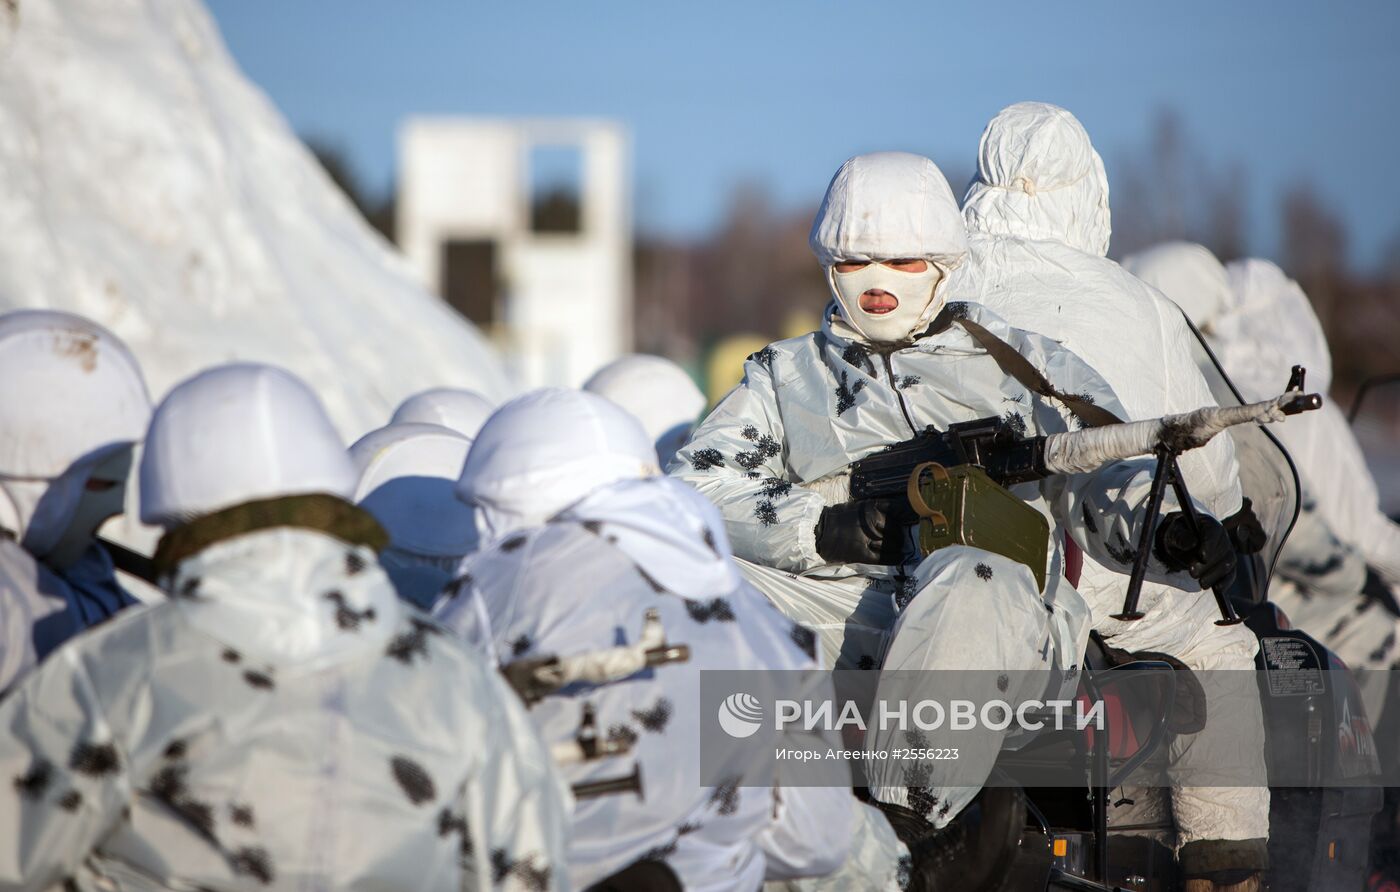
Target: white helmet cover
{"points": [[239, 433], [464, 411], [1039, 178], [71, 388], [542, 452], [657, 392], [408, 481], [72, 395]]}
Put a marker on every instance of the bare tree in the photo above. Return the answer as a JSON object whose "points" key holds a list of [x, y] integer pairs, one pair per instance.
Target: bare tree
{"points": [[378, 211], [1314, 250], [1168, 191], [1226, 214]]}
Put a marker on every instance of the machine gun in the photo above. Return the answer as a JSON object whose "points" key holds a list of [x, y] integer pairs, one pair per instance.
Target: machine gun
{"points": [[1008, 457], [992, 444], [997, 452]]}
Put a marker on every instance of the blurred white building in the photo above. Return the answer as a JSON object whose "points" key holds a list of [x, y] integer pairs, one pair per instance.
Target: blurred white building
{"points": [[525, 227]]}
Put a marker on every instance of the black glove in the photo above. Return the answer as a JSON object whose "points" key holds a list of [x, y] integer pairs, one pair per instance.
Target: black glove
{"points": [[1246, 530], [870, 531], [1209, 557]]}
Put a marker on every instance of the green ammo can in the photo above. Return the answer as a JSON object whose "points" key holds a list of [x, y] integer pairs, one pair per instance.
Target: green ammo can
{"points": [[963, 506]]}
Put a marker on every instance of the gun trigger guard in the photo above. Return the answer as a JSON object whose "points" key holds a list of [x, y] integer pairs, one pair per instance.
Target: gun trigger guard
{"points": [[916, 499]]}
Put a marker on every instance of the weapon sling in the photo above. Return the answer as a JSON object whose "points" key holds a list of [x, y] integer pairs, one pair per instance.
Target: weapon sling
{"points": [[1028, 376]]}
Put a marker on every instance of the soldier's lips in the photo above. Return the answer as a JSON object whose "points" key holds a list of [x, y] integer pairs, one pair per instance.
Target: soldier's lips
{"points": [[878, 303]]}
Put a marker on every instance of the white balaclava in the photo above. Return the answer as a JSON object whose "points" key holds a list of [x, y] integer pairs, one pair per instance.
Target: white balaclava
{"points": [[1189, 275], [408, 480], [544, 451], [463, 411], [73, 402], [658, 393], [234, 434], [889, 206], [1039, 178]]}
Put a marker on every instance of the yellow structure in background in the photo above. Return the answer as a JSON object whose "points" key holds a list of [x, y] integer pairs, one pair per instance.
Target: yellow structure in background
{"points": [[800, 322], [724, 367]]}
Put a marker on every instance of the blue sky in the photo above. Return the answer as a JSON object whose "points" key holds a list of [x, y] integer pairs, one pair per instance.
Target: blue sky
{"points": [[780, 92]]}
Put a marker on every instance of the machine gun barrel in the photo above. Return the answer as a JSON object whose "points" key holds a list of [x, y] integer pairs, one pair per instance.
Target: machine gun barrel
{"points": [[1076, 452], [129, 561]]}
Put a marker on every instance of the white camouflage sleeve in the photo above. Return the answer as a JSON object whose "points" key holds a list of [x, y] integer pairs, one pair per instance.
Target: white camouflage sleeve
{"points": [[68, 779], [736, 458], [515, 810]]}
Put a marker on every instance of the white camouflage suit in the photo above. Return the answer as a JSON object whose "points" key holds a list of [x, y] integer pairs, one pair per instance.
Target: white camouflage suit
{"points": [[810, 406], [1269, 327], [1039, 224], [283, 721], [580, 544], [1261, 327]]}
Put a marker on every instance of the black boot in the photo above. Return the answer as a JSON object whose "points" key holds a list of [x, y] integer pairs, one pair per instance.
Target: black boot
{"points": [[972, 852]]}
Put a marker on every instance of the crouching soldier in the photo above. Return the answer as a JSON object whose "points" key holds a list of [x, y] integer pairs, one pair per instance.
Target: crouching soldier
{"points": [[283, 721], [587, 549], [73, 406]]}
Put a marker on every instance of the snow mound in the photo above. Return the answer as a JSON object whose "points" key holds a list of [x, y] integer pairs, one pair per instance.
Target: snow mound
{"points": [[147, 184]]}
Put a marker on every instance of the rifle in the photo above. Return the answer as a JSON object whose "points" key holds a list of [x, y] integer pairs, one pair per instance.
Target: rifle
{"points": [[1007, 457], [129, 561], [537, 678], [587, 746]]}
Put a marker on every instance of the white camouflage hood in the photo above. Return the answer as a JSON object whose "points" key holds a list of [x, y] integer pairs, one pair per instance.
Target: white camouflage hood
{"points": [[408, 475], [1270, 327], [886, 206], [1039, 178], [674, 534], [1189, 275], [544, 451], [263, 549], [408, 481]]}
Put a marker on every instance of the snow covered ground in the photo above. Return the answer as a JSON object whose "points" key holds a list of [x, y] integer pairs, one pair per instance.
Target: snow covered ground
{"points": [[147, 184]]}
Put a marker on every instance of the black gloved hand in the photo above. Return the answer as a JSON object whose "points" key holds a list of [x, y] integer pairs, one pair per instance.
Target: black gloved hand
{"points": [[1246, 530], [870, 531], [1209, 557]]}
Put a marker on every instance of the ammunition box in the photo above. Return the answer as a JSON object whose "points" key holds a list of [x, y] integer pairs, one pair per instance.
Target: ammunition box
{"points": [[961, 505]]}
